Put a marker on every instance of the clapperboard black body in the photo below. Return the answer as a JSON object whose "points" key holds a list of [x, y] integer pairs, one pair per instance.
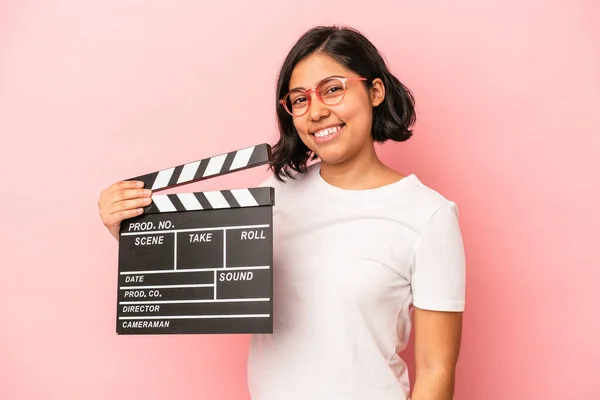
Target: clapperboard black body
{"points": [[199, 262]]}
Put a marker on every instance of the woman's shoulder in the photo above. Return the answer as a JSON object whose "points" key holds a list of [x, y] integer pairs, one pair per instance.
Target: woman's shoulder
{"points": [[425, 193], [425, 201]]}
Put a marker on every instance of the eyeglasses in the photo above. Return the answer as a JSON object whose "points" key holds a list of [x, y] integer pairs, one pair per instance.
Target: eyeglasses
{"points": [[330, 92]]}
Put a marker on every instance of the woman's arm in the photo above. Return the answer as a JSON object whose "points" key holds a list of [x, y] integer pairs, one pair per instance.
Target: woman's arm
{"points": [[437, 345], [438, 284]]}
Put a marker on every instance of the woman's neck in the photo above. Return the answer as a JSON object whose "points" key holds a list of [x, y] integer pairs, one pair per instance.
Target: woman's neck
{"points": [[363, 171]]}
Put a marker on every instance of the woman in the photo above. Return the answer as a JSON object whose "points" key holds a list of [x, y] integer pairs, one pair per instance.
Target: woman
{"points": [[359, 247]]}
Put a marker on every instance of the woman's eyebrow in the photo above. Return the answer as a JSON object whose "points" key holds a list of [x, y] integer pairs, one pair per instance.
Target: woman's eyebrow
{"points": [[318, 83]]}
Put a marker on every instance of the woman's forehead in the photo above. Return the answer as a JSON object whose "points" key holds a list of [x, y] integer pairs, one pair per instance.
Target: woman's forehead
{"points": [[312, 70]]}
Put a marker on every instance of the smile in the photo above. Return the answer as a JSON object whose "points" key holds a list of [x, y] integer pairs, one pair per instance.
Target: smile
{"points": [[327, 133]]}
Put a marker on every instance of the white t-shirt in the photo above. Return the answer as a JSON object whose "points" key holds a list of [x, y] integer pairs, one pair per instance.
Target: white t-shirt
{"points": [[348, 266]]}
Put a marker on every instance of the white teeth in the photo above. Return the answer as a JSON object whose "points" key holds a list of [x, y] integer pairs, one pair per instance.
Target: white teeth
{"points": [[327, 131]]}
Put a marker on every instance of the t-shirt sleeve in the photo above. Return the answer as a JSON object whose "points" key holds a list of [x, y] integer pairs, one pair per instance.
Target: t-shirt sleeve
{"points": [[439, 271]]}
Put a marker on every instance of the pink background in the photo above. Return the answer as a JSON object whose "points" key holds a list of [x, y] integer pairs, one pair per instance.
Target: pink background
{"points": [[508, 98]]}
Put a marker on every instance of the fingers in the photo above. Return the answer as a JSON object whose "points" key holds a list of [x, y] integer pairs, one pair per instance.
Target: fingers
{"points": [[116, 218], [128, 194], [123, 190], [124, 185], [124, 205], [122, 200], [114, 212]]}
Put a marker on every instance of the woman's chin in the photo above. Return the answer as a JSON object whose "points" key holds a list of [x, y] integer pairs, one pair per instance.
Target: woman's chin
{"points": [[331, 158]]}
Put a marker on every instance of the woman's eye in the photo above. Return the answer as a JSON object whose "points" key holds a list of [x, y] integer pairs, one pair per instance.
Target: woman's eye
{"points": [[298, 100], [333, 89]]}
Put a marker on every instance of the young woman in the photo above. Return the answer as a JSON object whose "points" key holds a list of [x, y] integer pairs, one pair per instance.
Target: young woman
{"points": [[359, 247]]}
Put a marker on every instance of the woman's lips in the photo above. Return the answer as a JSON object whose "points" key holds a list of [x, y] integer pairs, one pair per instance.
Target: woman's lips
{"points": [[327, 134]]}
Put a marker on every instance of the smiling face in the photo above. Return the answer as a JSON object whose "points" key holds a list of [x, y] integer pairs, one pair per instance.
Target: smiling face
{"points": [[335, 133]]}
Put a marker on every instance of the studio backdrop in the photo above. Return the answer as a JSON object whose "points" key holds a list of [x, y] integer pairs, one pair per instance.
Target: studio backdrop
{"points": [[91, 92]]}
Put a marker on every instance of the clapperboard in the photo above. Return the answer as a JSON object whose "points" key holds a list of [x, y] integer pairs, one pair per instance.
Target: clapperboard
{"points": [[199, 262]]}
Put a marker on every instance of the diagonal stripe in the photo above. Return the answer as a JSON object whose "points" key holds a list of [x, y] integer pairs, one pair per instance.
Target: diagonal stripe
{"points": [[188, 172], [189, 201], [216, 199], [163, 203], [163, 177], [226, 167], [176, 202], [244, 197], [175, 176], [202, 200], [201, 168], [214, 165], [233, 203], [242, 157]]}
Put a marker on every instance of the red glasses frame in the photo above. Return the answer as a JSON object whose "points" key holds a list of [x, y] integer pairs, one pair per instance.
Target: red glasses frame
{"points": [[316, 90]]}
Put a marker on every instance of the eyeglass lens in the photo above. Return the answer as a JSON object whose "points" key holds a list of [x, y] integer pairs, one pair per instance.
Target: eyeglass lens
{"points": [[330, 91]]}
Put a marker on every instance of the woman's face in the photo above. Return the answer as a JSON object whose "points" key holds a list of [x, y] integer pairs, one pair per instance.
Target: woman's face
{"points": [[337, 133]]}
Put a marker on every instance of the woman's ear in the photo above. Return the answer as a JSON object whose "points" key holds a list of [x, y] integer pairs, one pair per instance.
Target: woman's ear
{"points": [[377, 92]]}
